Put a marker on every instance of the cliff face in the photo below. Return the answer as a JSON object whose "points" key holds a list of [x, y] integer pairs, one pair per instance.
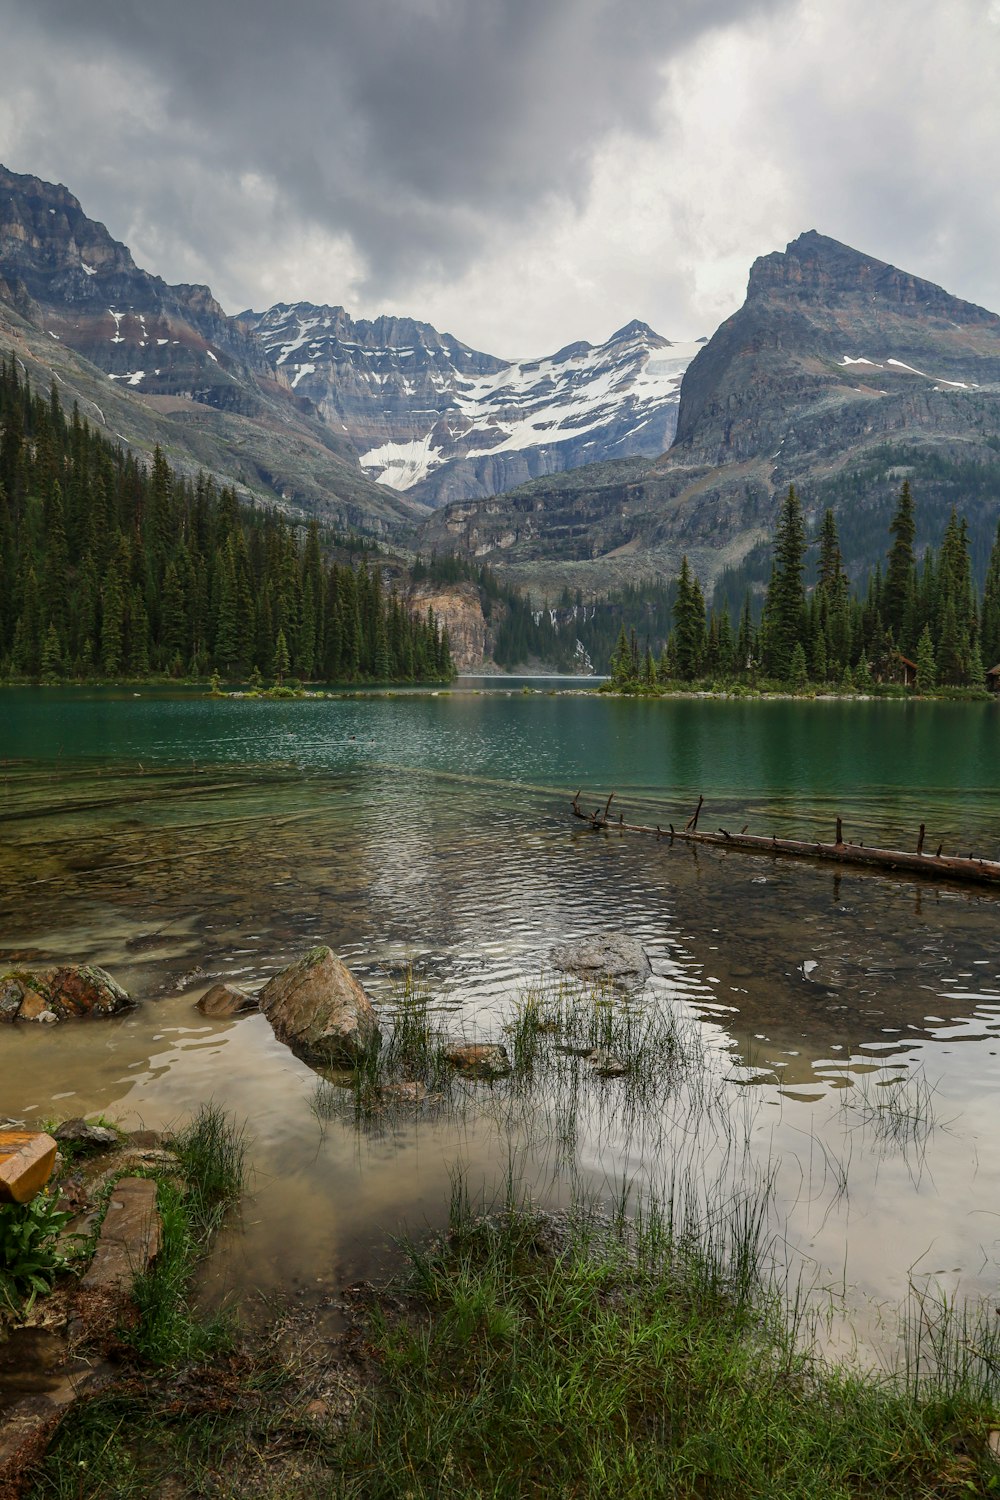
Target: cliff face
{"points": [[456, 606], [833, 357], [828, 333]]}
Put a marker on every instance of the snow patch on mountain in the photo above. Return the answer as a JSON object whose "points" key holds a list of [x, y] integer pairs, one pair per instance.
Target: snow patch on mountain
{"points": [[897, 364], [429, 414]]}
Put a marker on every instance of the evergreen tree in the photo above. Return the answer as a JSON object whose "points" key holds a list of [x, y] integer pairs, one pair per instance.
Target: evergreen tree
{"points": [[926, 667], [798, 671], [900, 573], [689, 624], [990, 625], [51, 662], [282, 661], [784, 611]]}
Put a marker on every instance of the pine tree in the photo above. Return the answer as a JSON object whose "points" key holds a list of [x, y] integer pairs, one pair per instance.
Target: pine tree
{"points": [[689, 624], [900, 573], [621, 661], [51, 661], [798, 671], [833, 595], [990, 624], [112, 621], [784, 611], [926, 668], [282, 661]]}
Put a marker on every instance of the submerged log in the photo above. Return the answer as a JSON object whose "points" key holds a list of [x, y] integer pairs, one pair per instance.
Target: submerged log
{"points": [[937, 866]]}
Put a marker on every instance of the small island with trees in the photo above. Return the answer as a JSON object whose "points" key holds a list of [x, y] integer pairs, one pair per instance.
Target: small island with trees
{"points": [[918, 626]]}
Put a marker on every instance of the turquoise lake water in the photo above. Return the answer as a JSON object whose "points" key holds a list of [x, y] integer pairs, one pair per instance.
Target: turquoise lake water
{"points": [[176, 839]]}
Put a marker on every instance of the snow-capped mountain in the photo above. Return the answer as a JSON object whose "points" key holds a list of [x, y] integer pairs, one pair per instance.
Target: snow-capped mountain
{"points": [[443, 422]]}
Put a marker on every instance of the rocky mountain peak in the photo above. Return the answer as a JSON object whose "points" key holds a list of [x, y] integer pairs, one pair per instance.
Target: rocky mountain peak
{"points": [[817, 269], [440, 420], [45, 232]]}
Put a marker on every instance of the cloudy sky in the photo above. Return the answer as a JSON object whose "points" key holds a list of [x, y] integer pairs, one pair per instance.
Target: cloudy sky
{"points": [[521, 173]]}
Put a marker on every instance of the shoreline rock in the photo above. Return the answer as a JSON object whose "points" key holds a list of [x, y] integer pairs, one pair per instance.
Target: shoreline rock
{"points": [[227, 1000], [319, 1010], [67, 992]]}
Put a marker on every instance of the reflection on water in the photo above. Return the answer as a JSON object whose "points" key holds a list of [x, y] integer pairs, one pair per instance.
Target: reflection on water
{"points": [[222, 839]]}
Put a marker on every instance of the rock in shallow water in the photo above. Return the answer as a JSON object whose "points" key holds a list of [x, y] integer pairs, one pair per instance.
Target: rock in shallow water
{"points": [[481, 1059], [613, 956], [74, 991], [319, 1010], [227, 1000]]}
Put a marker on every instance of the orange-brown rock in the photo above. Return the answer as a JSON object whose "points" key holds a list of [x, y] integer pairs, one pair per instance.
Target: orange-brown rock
{"points": [[26, 1161], [61, 993], [129, 1238], [319, 1009], [456, 607], [481, 1059]]}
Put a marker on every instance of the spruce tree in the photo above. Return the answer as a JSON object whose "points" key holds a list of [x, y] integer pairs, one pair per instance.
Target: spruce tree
{"points": [[990, 623], [900, 573], [282, 661], [926, 667], [784, 610], [689, 624]]}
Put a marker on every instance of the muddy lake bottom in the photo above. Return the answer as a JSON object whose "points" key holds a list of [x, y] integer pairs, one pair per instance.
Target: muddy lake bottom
{"points": [[847, 1025]]}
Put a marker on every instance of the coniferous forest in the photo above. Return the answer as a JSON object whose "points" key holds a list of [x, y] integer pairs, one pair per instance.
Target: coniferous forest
{"points": [[109, 569], [919, 621]]}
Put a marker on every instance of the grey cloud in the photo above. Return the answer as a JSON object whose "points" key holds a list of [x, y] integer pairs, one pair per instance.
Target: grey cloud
{"points": [[422, 128]]}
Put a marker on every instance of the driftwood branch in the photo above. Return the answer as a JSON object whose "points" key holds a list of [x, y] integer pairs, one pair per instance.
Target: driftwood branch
{"points": [[933, 866]]}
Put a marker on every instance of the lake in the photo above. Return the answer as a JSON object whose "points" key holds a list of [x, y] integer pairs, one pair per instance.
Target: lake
{"points": [[175, 839]]}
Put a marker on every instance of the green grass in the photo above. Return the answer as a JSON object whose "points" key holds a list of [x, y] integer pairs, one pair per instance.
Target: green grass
{"points": [[636, 1362], [211, 1161]]}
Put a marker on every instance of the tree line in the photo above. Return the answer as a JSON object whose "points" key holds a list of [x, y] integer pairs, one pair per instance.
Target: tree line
{"points": [[919, 621], [110, 568]]}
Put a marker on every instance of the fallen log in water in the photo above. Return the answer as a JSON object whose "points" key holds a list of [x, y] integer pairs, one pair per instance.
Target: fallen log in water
{"points": [[937, 866]]}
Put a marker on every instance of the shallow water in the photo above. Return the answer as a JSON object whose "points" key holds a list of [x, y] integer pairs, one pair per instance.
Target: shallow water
{"points": [[176, 840]]}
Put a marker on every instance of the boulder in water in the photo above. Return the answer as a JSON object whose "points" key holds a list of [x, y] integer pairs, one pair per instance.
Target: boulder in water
{"points": [[71, 992], [480, 1059], [612, 958], [227, 1000], [319, 1010]]}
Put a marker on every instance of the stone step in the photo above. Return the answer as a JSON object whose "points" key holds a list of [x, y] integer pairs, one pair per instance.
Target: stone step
{"points": [[26, 1161], [129, 1238]]}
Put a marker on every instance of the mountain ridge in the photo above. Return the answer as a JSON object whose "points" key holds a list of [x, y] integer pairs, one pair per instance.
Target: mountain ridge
{"points": [[438, 420], [832, 357], [184, 374]]}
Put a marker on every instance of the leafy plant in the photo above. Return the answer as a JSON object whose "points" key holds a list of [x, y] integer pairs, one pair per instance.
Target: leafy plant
{"points": [[30, 1253]]}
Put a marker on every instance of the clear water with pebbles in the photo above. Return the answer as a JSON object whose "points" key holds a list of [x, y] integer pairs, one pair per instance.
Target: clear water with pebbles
{"points": [[177, 839]]}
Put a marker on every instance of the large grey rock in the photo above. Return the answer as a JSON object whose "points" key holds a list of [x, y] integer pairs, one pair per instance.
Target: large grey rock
{"points": [[319, 1009], [85, 1137], [612, 958]]}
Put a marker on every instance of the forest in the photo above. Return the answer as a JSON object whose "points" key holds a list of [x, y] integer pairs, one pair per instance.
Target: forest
{"points": [[919, 622], [112, 570]]}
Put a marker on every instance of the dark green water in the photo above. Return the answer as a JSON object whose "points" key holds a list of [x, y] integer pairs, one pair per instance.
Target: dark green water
{"points": [[177, 839], [888, 758]]}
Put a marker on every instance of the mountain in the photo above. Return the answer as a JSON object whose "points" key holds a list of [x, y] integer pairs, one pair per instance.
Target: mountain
{"points": [[840, 374], [440, 421], [154, 363]]}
